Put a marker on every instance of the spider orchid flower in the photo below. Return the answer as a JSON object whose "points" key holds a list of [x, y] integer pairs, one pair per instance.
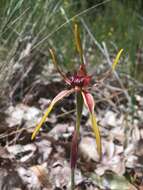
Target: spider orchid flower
{"points": [[78, 83]]}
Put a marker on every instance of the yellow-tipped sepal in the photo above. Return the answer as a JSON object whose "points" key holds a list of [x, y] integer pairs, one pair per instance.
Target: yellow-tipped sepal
{"points": [[90, 104], [116, 59], [60, 96]]}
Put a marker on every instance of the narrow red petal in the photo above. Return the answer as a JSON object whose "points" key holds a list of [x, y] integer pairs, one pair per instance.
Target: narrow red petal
{"points": [[87, 80], [63, 75], [82, 70], [61, 95]]}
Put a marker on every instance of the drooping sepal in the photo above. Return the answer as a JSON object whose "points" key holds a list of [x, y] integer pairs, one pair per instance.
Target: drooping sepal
{"points": [[97, 133], [90, 104], [60, 96]]}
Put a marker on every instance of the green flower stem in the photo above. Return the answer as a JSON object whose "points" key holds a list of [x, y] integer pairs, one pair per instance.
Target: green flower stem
{"points": [[79, 107]]}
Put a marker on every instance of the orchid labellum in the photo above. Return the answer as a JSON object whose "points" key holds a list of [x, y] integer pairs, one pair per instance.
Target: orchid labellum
{"points": [[78, 83]]}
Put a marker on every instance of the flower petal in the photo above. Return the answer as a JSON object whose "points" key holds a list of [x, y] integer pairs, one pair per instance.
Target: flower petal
{"points": [[61, 95], [116, 59], [78, 42], [89, 102], [82, 70], [57, 67]]}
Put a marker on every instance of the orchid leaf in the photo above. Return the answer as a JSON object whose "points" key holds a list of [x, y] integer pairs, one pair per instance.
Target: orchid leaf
{"points": [[55, 62], [90, 104], [116, 59], [60, 96], [78, 42]]}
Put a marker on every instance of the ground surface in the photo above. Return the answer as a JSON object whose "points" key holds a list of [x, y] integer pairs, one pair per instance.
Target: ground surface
{"points": [[45, 162]]}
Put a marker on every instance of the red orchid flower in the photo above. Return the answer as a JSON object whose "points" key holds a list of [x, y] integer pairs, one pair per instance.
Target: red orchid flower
{"points": [[78, 83]]}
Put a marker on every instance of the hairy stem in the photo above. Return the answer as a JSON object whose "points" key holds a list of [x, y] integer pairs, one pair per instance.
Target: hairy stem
{"points": [[72, 179]]}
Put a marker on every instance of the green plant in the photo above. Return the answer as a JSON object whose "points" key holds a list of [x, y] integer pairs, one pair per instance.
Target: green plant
{"points": [[79, 84]]}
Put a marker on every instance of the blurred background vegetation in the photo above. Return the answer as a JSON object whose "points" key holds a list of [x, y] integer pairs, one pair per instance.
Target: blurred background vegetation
{"points": [[48, 23]]}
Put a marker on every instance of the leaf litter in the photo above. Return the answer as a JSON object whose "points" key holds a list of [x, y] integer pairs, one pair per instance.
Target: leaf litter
{"points": [[44, 163]]}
